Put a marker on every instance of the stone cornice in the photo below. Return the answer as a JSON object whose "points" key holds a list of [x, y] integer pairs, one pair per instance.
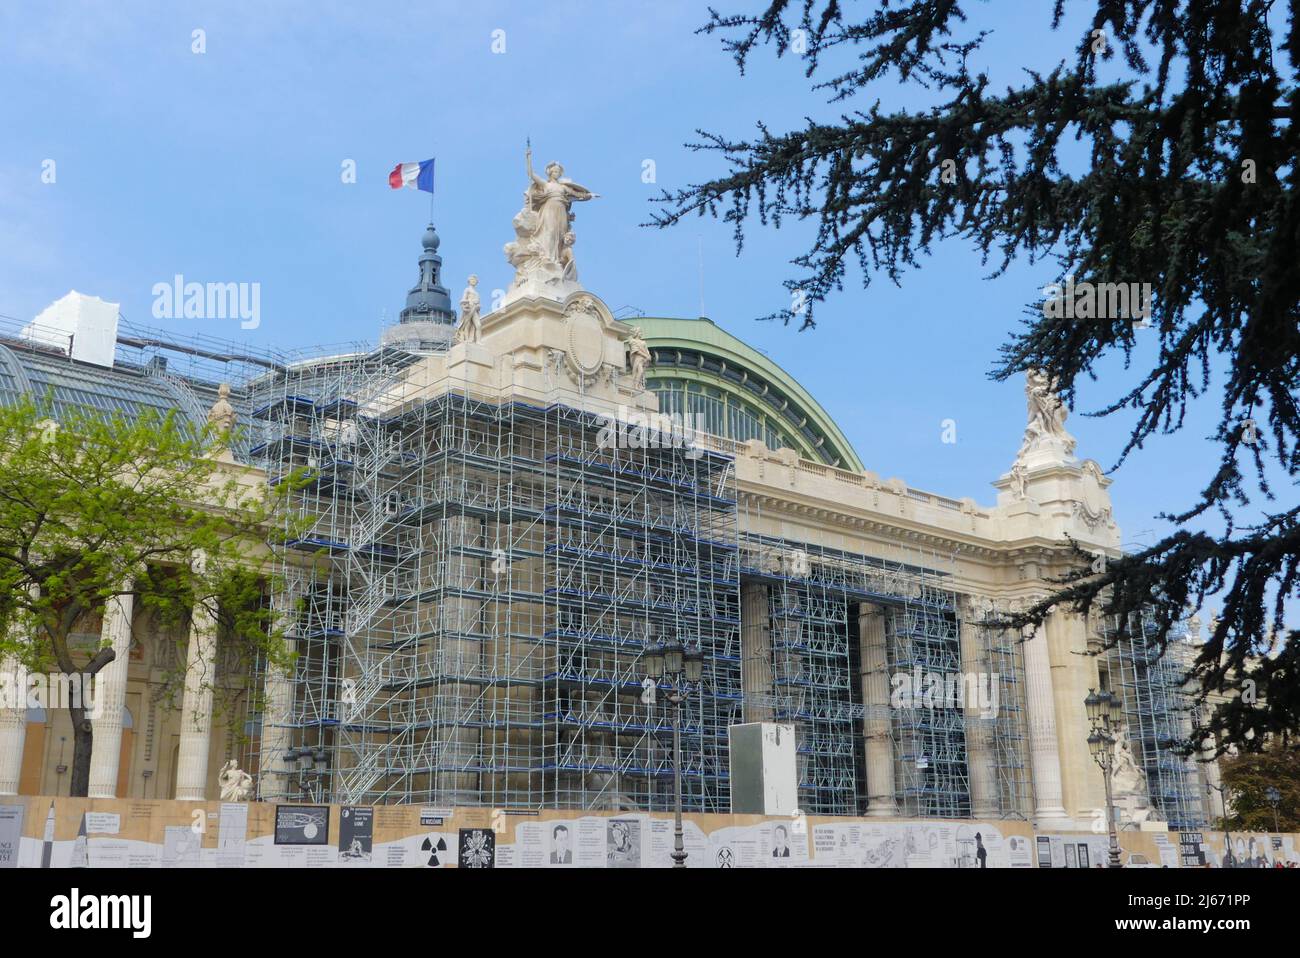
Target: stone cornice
{"points": [[790, 503]]}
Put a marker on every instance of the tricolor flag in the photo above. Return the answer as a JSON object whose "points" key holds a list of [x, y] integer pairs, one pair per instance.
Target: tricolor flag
{"points": [[414, 176]]}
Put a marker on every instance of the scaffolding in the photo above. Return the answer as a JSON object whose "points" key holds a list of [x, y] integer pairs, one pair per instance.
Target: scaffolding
{"points": [[487, 572], [814, 593], [1000, 654], [1158, 715], [473, 577]]}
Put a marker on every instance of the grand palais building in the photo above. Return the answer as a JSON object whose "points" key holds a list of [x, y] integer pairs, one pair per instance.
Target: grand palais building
{"points": [[506, 508]]}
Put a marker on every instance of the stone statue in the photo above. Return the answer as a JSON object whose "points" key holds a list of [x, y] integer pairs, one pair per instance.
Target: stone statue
{"points": [[470, 328], [221, 417], [1018, 478], [1047, 414], [542, 253], [638, 357], [236, 784], [566, 258], [1128, 777]]}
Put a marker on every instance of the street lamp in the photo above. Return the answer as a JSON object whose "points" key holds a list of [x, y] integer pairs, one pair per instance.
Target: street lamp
{"points": [[310, 766], [1274, 798], [683, 668], [1104, 711]]}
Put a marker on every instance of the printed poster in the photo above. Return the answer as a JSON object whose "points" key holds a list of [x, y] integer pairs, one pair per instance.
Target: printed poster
{"points": [[11, 831], [356, 835]]}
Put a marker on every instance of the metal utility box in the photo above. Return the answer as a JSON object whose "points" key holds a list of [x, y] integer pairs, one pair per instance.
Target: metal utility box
{"points": [[764, 780]]}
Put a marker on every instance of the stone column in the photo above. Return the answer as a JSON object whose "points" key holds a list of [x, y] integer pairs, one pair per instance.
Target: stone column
{"points": [[1215, 804], [1044, 755], [13, 716], [13, 724], [196, 707], [755, 652], [277, 702], [110, 693], [978, 721], [876, 723]]}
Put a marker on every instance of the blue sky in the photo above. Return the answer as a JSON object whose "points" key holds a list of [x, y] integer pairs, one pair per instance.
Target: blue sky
{"points": [[225, 167]]}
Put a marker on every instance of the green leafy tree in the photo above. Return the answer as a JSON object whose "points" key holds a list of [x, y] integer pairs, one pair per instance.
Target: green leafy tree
{"points": [[1180, 173], [1248, 777], [93, 508]]}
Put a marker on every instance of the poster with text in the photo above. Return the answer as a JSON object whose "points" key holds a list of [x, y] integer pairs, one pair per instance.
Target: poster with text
{"points": [[356, 835], [302, 824]]}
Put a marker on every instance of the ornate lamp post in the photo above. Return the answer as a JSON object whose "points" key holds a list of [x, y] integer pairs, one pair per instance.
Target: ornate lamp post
{"points": [[682, 667], [1104, 716], [1274, 798], [310, 766]]}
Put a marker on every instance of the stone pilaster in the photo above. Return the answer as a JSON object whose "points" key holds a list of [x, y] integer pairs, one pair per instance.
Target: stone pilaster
{"points": [[13, 725], [978, 725], [1216, 803], [1044, 754], [755, 652], [196, 708], [277, 703], [876, 723], [110, 691], [1074, 672]]}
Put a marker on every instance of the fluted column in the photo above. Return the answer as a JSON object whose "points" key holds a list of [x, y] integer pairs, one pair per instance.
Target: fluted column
{"points": [[755, 652], [13, 724], [277, 702], [110, 694], [1044, 755], [876, 722], [13, 718], [196, 707], [978, 725], [1213, 807]]}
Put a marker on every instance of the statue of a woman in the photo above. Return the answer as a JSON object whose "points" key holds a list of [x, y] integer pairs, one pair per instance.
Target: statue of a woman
{"points": [[542, 252], [638, 357], [470, 328], [1128, 778], [551, 198], [236, 784]]}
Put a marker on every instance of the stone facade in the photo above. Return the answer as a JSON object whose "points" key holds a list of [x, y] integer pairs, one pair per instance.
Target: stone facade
{"points": [[572, 352]]}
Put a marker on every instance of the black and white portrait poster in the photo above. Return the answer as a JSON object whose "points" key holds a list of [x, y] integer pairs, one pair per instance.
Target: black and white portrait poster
{"points": [[478, 848], [356, 835], [302, 824], [623, 843]]}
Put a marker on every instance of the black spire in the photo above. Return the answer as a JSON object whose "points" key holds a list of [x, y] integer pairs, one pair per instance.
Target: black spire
{"points": [[428, 300]]}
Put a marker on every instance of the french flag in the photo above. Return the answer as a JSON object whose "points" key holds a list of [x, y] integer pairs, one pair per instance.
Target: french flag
{"points": [[414, 176]]}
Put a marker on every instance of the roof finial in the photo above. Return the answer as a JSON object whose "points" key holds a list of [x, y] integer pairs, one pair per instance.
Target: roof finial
{"points": [[428, 300]]}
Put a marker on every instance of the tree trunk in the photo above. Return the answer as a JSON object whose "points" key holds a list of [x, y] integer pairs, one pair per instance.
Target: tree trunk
{"points": [[83, 730], [83, 737]]}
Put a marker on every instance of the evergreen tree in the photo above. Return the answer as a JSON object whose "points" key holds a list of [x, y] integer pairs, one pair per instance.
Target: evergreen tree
{"points": [[1188, 184]]}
